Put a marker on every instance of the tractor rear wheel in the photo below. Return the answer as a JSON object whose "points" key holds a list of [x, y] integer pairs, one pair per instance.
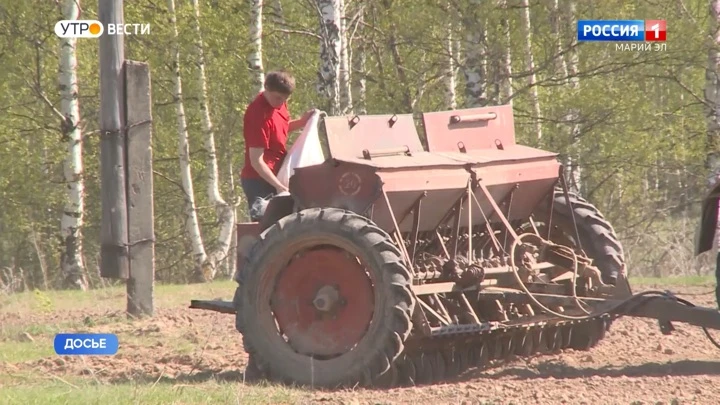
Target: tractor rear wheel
{"points": [[325, 300], [597, 239], [597, 236]]}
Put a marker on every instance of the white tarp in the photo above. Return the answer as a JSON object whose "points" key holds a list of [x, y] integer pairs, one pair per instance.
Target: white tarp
{"points": [[306, 151]]}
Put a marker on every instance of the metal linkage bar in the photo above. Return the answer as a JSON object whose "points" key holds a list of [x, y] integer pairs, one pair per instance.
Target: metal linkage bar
{"points": [[490, 230], [398, 234], [498, 212], [416, 227], [428, 308], [225, 307]]}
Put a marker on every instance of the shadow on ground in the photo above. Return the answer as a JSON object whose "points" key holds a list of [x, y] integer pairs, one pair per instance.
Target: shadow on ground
{"points": [[550, 369], [542, 370]]}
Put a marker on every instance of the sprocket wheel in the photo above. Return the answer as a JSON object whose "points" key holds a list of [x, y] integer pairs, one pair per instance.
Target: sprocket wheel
{"points": [[325, 299]]}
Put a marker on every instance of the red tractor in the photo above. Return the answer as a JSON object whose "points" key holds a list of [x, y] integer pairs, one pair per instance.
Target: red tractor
{"points": [[397, 262]]}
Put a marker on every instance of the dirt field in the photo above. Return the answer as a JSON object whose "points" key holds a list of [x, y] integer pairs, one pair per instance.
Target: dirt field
{"points": [[189, 356]]}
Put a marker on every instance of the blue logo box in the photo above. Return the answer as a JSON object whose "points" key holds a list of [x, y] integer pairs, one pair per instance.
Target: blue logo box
{"points": [[88, 344], [611, 30]]}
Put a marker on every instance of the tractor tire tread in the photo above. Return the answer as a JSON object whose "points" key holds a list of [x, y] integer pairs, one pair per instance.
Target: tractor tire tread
{"points": [[606, 247], [399, 299]]}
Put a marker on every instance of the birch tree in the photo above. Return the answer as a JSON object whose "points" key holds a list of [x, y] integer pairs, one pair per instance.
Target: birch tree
{"points": [[573, 170], [532, 78], [225, 212], [71, 224], [346, 101], [330, 49], [475, 66], [449, 76], [506, 59], [560, 65], [358, 67], [255, 57], [192, 225]]}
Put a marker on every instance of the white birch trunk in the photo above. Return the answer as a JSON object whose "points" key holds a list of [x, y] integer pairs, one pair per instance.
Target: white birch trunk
{"points": [[225, 212], [712, 97], [506, 62], [255, 57], [346, 102], [683, 173], [72, 218], [457, 61], [360, 86], [330, 49], [449, 76], [232, 260], [532, 78], [358, 62], [561, 71], [475, 68], [192, 226], [575, 177], [658, 169], [45, 159]]}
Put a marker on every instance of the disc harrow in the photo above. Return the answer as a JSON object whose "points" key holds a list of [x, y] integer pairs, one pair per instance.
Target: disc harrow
{"points": [[411, 264], [448, 359]]}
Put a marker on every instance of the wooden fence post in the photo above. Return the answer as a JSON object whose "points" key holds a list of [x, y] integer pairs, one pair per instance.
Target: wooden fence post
{"points": [[114, 261], [141, 232]]}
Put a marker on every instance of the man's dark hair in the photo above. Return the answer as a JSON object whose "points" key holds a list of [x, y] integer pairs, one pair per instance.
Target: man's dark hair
{"points": [[280, 81]]}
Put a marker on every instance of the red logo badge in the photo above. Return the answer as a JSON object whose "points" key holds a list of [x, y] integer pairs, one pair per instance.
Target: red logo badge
{"points": [[655, 30]]}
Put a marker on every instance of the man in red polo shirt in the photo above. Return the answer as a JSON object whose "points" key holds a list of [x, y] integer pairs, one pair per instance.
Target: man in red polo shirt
{"points": [[266, 126]]}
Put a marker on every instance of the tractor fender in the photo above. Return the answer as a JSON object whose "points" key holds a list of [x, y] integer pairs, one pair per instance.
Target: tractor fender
{"points": [[248, 233], [278, 207]]}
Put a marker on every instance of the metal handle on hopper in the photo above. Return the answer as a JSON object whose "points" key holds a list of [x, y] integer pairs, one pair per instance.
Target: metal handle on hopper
{"points": [[369, 154], [353, 121], [456, 119]]}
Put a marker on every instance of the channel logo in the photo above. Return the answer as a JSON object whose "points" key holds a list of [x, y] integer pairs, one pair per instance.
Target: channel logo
{"points": [[655, 30], [95, 29], [79, 29], [622, 30]]}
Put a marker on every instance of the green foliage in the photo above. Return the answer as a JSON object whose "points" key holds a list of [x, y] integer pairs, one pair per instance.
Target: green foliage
{"points": [[42, 302], [76, 390], [642, 123]]}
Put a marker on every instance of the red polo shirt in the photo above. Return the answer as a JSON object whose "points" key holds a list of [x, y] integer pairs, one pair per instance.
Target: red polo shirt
{"points": [[265, 127]]}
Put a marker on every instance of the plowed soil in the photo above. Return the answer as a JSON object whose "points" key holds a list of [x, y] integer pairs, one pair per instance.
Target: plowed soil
{"points": [[635, 363]]}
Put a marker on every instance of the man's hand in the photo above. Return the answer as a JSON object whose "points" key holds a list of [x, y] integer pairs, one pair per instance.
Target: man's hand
{"points": [[306, 117], [257, 162], [301, 122]]}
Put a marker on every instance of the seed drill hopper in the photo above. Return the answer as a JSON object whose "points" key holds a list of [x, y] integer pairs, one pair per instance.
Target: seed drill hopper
{"points": [[397, 263]]}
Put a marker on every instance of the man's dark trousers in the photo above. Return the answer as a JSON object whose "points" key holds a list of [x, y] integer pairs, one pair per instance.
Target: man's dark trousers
{"points": [[257, 191]]}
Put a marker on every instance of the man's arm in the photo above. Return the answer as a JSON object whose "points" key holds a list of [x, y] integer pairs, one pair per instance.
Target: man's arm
{"points": [[257, 139], [296, 124], [257, 162], [300, 122]]}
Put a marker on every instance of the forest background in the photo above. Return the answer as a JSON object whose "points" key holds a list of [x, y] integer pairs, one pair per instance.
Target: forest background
{"points": [[636, 129]]}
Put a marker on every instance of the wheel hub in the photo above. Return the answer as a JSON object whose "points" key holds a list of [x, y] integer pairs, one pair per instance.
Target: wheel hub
{"points": [[327, 299], [323, 302]]}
